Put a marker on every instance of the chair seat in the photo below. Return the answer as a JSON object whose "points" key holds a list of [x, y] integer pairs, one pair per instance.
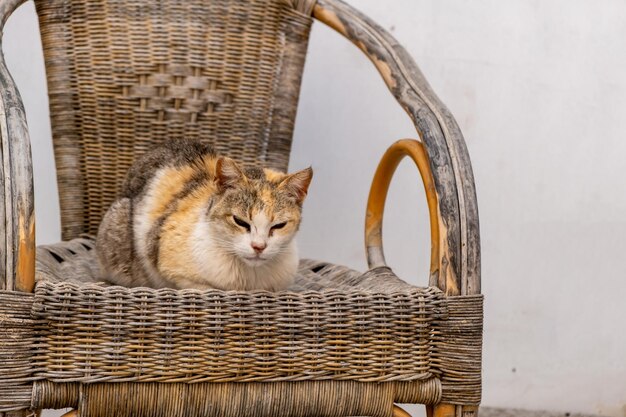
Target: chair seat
{"points": [[76, 261], [335, 332]]}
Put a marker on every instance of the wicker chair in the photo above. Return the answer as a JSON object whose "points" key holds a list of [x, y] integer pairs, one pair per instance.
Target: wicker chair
{"points": [[124, 74]]}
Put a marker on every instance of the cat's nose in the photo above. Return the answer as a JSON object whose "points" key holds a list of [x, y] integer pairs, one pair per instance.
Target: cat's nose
{"points": [[258, 246]]}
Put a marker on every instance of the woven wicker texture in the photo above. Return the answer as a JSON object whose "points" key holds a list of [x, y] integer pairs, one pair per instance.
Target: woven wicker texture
{"points": [[281, 399], [123, 75], [335, 334], [93, 333], [17, 337]]}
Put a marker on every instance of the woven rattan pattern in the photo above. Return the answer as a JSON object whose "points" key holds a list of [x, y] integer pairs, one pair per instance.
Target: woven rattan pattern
{"points": [[279, 399], [93, 333], [336, 330], [178, 92], [334, 323], [454, 343], [17, 337], [126, 74]]}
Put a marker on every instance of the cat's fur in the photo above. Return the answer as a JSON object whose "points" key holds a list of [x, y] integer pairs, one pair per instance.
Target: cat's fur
{"points": [[181, 219]]}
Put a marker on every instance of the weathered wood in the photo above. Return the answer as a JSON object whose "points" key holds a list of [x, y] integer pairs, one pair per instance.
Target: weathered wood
{"points": [[459, 271], [399, 412], [17, 215], [451, 410], [7, 7], [441, 410], [448, 157], [378, 194], [458, 264]]}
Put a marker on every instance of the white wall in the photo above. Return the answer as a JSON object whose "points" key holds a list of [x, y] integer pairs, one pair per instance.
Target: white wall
{"points": [[539, 89]]}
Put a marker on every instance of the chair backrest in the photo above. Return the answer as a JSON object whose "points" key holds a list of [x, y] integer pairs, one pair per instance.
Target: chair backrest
{"points": [[126, 74]]}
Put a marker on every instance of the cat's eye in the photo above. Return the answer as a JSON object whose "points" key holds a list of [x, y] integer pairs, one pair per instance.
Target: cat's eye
{"points": [[241, 223], [279, 226]]}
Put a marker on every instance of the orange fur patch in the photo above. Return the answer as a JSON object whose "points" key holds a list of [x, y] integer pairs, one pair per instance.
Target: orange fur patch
{"points": [[179, 227], [172, 180], [273, 176]]}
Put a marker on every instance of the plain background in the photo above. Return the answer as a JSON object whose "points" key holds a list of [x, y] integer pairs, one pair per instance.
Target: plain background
{"points": [[539, 90]]}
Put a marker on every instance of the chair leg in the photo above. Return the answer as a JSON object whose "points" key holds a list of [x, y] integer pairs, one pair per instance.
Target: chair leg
{"points": [[451, 410], [399, 412]]}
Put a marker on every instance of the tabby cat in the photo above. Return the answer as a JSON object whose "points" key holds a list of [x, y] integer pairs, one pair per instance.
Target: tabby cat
{"points": [[188, 218]]}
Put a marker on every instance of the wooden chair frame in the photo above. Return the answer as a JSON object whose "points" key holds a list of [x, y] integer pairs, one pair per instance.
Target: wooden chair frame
{"points": [[441, 157]]}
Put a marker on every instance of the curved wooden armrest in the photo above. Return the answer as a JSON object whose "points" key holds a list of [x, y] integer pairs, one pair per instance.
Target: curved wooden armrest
{"points": [[7, 7], [399, 412], [17, 215], [447, 154], [378, 195]]}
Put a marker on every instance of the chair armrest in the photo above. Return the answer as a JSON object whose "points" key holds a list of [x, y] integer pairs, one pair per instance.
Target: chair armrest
{"points": [[7, 7], [459, 263], [378, 194], [17, 215]]}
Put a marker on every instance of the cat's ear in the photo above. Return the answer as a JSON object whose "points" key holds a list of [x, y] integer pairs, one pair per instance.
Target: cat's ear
{"points": [[296, 185], [228, 174]]}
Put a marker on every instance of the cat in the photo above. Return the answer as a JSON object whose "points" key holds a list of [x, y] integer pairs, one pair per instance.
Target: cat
{"points": [[189, 218]]}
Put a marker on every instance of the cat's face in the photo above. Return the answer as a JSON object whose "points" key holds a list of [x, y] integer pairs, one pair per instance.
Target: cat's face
{"points": [[256, 213]]}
